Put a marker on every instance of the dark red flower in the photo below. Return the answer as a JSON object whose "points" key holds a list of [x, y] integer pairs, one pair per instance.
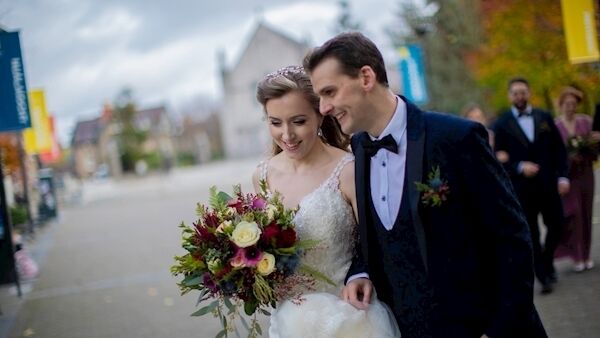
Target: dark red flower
{"points": [[204, 234], [286, 238], [270, 232], [226, 269], [211, 220]]}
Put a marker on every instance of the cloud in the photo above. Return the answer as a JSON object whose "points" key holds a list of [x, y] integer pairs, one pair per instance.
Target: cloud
{"points": [[110, 24], [84, 52]]}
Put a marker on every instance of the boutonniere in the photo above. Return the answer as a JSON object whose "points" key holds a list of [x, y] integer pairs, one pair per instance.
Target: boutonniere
{"points": [[544, 126], [435, 191]]}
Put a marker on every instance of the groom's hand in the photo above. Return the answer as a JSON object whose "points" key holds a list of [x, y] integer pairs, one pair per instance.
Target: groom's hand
{"points": [[358, 293]]}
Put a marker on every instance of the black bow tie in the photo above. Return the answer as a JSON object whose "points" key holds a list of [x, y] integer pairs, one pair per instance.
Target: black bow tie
{"points": [[371, 147], [524, 113]]}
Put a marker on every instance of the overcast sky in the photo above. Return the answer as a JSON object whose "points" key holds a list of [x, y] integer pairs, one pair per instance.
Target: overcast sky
{"points": [[83, 52]]}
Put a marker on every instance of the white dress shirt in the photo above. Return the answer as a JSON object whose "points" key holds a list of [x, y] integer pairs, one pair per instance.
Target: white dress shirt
{"points": [[387, 173], [525, 122], [388, 169]]}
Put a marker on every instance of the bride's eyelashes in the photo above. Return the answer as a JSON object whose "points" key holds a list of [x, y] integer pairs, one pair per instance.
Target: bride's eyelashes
{"points": [[299, 122], [277, 123]]}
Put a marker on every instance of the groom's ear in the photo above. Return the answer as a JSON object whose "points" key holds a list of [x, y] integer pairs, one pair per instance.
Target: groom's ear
{"points": [[367, 77]]}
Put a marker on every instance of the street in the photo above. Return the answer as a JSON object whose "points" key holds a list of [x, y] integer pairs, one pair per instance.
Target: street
{"points": [[104, 266]]}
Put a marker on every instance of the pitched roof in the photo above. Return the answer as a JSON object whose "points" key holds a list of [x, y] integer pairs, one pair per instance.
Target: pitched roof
{"points": [[263, 29], [152, 114], [87, 132]]}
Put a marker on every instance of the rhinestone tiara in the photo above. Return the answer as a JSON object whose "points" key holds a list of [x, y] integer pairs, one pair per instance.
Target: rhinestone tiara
{"points": [[285, 71]]}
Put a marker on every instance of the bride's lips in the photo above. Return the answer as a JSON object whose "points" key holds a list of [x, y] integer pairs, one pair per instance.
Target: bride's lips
{"points": [[292, 146]]}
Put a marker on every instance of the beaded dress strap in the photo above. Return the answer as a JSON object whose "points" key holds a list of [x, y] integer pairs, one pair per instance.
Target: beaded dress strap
{"points": [[334, 180]]}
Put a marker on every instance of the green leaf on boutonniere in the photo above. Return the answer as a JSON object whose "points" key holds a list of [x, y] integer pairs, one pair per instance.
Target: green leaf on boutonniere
{"points": [[435, 191]]}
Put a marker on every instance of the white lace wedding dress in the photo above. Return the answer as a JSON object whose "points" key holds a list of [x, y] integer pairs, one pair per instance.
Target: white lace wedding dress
{"points": [[325, 215]]}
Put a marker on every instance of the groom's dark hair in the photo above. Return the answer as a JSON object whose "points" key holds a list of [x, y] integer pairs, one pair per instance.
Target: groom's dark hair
{"points": [[353, 50]]}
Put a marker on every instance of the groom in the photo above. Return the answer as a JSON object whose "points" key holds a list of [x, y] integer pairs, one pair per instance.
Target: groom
{"points": [[459, 268]]}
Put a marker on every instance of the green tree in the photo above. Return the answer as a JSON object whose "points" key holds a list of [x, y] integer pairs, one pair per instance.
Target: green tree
{"points": [[448, 37], [345, 22], [526, 38], [130, 138]]}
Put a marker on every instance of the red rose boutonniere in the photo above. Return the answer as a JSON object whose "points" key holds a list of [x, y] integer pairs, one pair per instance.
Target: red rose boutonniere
{"points": [[435, 191]]}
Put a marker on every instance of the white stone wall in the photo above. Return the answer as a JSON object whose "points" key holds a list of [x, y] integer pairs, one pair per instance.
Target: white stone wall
{"points": [[244, 128]]}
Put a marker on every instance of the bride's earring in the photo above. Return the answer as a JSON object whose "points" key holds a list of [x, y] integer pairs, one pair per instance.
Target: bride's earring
{"points": [[320, 132]]}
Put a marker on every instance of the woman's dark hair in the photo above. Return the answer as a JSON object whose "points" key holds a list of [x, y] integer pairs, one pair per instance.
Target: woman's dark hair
{"points": [[293, 78]]}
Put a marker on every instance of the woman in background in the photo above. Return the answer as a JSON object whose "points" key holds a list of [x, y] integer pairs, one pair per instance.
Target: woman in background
{"points": [[581, 143]]}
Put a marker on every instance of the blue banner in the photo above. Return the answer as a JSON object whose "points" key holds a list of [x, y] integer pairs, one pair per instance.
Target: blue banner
{"points": [[412, 74], [14, 105]]}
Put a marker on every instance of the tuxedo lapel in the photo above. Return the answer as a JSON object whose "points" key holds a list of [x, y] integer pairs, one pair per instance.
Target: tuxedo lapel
{"points": [[361, 180], [414, 170], [513, 125], [537, 122]]}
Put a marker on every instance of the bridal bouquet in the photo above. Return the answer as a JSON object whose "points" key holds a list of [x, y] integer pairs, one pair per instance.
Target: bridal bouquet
{"points": [[582, 147], [242, 252]]}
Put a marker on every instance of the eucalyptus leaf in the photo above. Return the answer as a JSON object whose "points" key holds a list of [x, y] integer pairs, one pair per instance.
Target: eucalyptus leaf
{"points": [[192, 280], [202, 297], [221, 334], [207, 309], [224, 197], [316, 274], [307, 243], [228, 304], [258, 329]]}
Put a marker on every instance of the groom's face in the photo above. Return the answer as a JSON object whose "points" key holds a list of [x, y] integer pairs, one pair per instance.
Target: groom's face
{"points": [[341, 96]]}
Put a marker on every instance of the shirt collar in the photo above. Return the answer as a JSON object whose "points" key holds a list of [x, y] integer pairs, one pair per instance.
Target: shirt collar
{"points": [[397, 125], [515, 111]]}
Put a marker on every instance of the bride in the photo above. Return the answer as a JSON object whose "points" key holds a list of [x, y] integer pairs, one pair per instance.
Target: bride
{"points": [[310, 168]]}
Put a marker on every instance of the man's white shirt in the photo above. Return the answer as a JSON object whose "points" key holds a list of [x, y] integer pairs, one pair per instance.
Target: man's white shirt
{"points": [[387, 172]]}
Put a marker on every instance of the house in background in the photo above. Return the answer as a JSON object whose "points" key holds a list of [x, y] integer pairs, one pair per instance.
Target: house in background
{"points": [[94, 147], [95, 142], [199, 140], [159, 132], [242, 118]]}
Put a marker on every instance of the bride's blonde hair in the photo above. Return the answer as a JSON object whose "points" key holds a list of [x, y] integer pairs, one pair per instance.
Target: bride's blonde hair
{"points": [[294, 78]]}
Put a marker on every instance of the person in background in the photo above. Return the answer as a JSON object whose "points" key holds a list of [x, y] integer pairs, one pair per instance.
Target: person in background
{"points": [[581, 142], [474, 112], [537, 166]]}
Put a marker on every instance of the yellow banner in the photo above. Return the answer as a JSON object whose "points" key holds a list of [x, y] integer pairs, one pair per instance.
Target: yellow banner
{"points": [[580, 30], [38, 138]]}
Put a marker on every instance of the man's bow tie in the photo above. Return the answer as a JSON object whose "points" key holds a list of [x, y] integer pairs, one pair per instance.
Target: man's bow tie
{"points": [[524, 113], [371, 147]]}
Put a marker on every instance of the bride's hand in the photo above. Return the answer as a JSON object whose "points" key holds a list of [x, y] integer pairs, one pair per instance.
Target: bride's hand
{"points": [[358, 293]]}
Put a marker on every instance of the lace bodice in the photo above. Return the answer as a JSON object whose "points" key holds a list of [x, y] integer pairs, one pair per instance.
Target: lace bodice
{"points": [[325, 215]]}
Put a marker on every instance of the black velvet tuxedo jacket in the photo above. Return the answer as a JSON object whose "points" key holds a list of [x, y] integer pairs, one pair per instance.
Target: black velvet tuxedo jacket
{"points": [[476, 245], [547, 150]]}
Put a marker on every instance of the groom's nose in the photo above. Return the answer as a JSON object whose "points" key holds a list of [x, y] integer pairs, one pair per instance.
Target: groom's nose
{"points": [[325, 107]]}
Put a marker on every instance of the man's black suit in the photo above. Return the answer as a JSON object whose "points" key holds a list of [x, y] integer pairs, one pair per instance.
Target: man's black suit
{"points": [[474, 250], [538, 194]]}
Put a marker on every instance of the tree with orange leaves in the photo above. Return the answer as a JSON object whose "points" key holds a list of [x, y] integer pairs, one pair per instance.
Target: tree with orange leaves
{"points": [[10, 152], [526, 38]]}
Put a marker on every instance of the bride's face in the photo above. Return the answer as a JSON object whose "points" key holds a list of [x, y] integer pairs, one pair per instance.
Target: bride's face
{"points": [[293, 124]]}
